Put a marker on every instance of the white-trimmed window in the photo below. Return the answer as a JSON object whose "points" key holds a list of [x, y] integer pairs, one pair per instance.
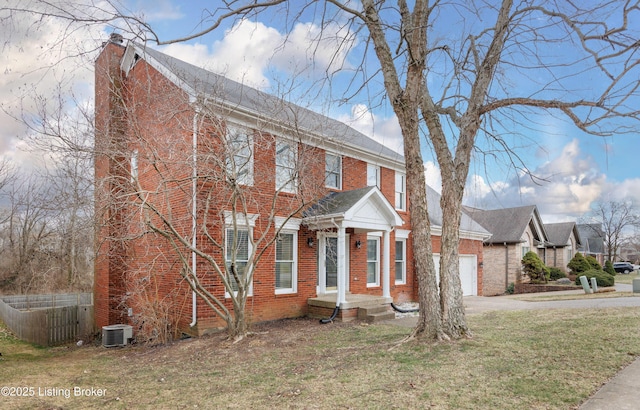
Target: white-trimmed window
{"points": [[286, 271], [134, 165], [286, 153], [373, 175], [333, 171], [373, 261], [526, 244], [401, 191], [236, 253], [238, 246], [401, 261], [240, 157]]}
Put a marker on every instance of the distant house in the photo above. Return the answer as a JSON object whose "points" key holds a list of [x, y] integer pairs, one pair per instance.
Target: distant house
{"points": [[352, 242], [592, 241], [564, 242], [514, 232]]}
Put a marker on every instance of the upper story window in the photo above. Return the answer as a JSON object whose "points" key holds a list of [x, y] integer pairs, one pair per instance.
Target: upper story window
{"points": [[373, 175], [401, 191], [286, 175], [333, 171], [240, 155]]}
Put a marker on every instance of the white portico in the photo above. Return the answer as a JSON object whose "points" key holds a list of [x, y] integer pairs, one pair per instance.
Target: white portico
{"points": [[364, 210]]}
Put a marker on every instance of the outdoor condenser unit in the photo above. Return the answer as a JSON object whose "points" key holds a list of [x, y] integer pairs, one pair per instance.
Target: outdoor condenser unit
{"points": [[116, 335]]}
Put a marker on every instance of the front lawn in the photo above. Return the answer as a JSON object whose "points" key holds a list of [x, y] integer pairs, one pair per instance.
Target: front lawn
{"points": [[528, 359]]}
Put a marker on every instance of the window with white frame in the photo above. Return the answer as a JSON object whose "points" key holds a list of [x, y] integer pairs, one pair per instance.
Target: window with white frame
{"points": [[240, 156], [333, 171], [373, 261], [286, 153], [526, 244], [286, 262], [134, 165], [401, 257], [236, 254], [373, 175], [401, 188], [239, 228], [568, 252]]}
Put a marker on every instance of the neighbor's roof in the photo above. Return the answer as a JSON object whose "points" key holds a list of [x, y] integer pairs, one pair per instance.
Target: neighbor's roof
{"points": [[201, 83], [467, 224], [592, 238], [507, 225], [558, 234]]}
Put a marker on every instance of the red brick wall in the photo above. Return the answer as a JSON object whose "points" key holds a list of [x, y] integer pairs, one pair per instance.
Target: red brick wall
{"points": [[161, 130]]}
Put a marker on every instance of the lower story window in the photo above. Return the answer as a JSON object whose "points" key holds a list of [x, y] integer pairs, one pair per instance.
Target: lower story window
{"points": [[286, 262], [373, 262], [400, 266], [236, 255]]}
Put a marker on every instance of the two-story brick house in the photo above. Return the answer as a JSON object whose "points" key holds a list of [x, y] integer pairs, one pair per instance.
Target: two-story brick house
{"points": [[333, 200]]}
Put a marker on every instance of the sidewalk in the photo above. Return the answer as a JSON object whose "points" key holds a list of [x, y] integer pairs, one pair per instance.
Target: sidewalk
{"points": [[620, 393]]}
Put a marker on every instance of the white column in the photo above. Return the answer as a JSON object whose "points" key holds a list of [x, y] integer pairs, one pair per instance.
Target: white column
{"points": [[342, 273], [386, 246]]}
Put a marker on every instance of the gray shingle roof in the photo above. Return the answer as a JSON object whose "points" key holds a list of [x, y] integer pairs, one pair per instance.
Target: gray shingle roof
{"points": [[435, 215], [592, 238], [340, 202], [558, 234], [199, 82], [336, 202], [506, 225]]}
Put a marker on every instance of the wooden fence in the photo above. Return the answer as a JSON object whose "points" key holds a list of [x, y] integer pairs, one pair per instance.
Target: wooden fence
{"points": [[48, 320]]}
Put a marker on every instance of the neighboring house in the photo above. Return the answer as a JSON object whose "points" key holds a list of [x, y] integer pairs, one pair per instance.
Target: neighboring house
{"points": [[514, 232], [352, 243], [592, 241], [564, 242]]}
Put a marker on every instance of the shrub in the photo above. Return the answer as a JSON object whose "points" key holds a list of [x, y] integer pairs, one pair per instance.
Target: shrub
{"points": [[608, 267], [603, 279], [533, 267], [511, 288], [593, 262], [556, 273], [578, 264]]}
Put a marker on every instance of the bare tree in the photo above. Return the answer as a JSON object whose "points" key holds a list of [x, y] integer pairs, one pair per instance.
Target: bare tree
{"points": [[617, 220], [465, 75], [27, 238], [202, 187]]}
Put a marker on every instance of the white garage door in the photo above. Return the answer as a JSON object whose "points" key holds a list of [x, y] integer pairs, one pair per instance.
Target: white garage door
{"points": [[468, 273]]}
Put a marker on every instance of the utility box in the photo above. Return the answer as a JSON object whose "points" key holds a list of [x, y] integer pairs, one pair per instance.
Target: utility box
{"points": [[116, 335], [636, 285]]}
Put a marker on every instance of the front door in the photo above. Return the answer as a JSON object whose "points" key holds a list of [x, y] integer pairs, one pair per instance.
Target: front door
{"points": [[328, 263]]}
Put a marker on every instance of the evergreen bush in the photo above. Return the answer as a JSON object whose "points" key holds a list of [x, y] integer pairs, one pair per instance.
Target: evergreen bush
{"points": [[578, 264], [603, 279]]}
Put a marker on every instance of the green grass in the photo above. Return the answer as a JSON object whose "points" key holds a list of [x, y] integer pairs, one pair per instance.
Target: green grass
{"points": [[529, 359], [627, 279]]}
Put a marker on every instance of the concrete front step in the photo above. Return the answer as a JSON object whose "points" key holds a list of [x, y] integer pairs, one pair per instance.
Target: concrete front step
{"points": [[375, 314]]}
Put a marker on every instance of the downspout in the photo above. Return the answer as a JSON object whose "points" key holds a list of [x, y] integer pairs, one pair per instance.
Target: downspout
{"points": [[194, 310], [506, 266], [337, 308]]}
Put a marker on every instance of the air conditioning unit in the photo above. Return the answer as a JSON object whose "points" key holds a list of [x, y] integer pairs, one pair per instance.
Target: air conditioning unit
{"points": [[116, 335]]}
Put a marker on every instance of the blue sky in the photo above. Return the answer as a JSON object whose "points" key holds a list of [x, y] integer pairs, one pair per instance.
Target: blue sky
{"points": [[575, 169]]}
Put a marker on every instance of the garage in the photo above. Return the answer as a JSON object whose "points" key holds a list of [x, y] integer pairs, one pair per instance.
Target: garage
{"points": [[468, 273]]}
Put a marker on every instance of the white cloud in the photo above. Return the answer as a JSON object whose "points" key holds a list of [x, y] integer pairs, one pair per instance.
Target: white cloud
{"points": [[563, 188], [386, 131], [42, 58], [250, 52]]}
